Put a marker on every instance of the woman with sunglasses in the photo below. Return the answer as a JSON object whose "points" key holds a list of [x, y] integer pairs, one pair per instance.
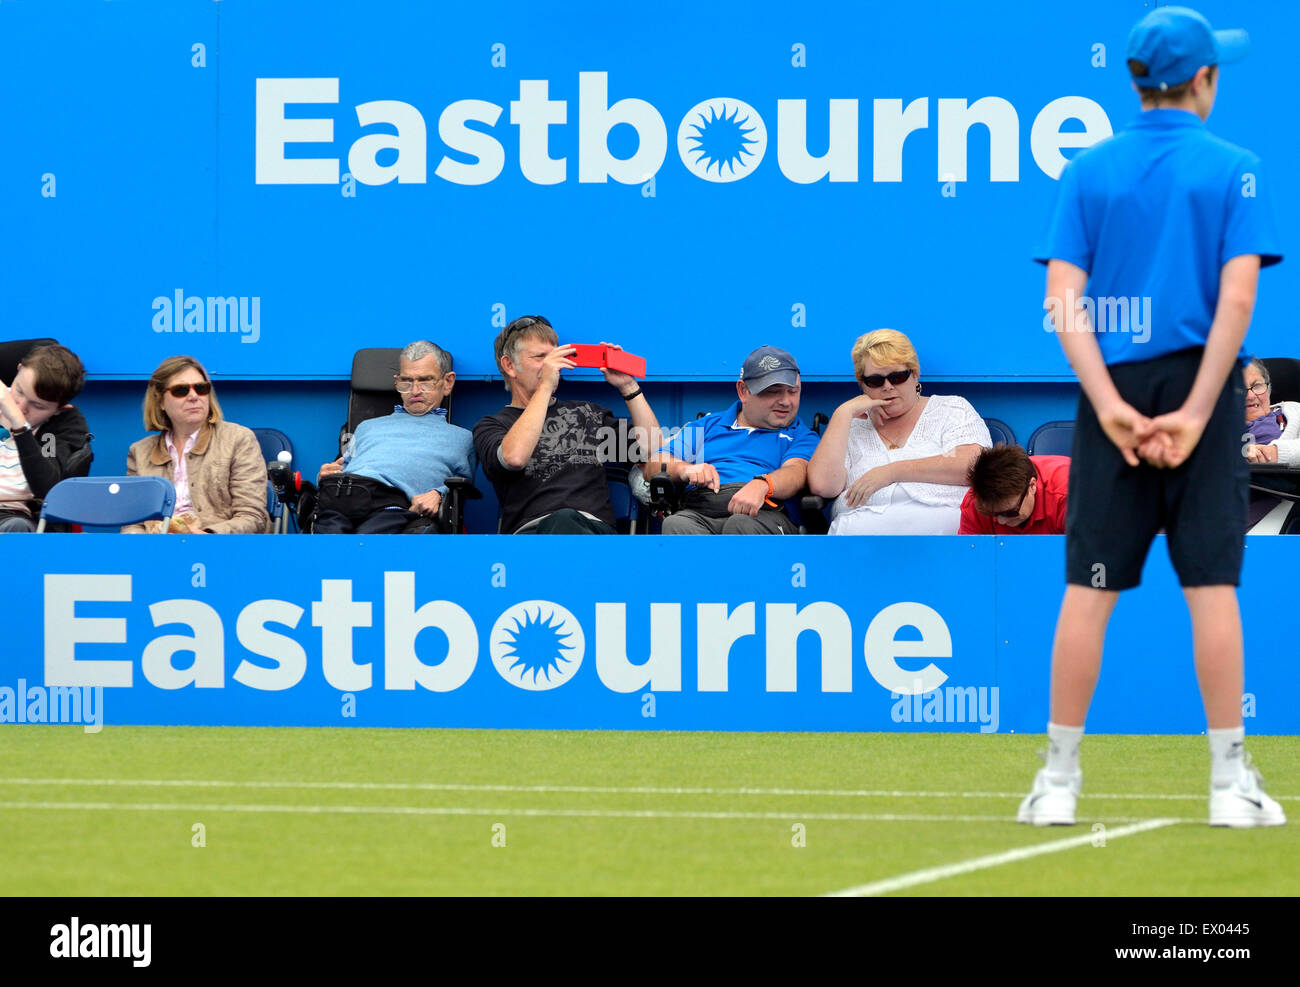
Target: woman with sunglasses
{"points": [[216, 466], [895, 460]]}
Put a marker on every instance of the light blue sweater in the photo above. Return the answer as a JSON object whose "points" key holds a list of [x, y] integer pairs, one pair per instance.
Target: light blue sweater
{"points": [[414, 453]]}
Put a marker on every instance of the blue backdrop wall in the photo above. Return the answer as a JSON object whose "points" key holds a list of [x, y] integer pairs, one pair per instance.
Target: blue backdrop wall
{"points": [[938, 633], [268, 185]]}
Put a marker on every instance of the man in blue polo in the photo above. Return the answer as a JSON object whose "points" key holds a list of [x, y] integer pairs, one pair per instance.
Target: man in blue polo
{"points": [[742, 462], [1175, 224]]}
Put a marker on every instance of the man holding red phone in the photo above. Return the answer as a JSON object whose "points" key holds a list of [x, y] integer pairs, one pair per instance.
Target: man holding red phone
{"points": [[546, 458]]}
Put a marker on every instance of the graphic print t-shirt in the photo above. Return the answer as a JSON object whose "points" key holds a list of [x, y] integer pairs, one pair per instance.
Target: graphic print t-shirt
{"points": [[566, 468]]}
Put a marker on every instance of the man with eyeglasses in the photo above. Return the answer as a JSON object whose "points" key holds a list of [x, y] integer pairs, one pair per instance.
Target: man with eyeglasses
{"points": [[1014, 493], [393, 475], [546, 458]]}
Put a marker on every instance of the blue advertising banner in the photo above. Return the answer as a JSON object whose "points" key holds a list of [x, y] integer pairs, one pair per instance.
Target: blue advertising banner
{"points": [[722, 633], [269, 186]]}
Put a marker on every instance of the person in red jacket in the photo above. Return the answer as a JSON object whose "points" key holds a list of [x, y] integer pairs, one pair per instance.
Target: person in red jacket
{"points": [[1014, 493]]}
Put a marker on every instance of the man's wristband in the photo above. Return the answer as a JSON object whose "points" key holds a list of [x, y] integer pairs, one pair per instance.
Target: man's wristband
{"points": [[770, 489], [634, 394], [22, 429]]}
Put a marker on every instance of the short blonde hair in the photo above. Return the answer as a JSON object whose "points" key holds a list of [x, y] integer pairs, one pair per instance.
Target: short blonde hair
{"points": [[884, 347], [155, 419]]}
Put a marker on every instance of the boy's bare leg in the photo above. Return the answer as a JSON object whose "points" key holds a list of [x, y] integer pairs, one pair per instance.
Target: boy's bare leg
{"points": [[1236, 796], [1076, 663], [1216, 636], [1076, 652]]}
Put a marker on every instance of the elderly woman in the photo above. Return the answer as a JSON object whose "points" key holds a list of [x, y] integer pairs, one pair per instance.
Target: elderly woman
{"points": [[1273, 429], [216, 466], [895, 459]]}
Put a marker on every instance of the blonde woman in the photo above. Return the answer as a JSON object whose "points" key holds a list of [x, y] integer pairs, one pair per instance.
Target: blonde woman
{"points": [[895, 459], [216, 466]]}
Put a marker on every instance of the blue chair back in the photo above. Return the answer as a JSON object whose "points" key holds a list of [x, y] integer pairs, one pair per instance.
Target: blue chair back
{"points": [[273, 442], [1000, 432], [109, 501], [1051, 439], [626, 507]]}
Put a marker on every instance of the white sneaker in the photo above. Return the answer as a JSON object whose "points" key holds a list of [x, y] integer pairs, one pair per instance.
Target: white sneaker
{"points": [[1052, 799], [1243, 804]]}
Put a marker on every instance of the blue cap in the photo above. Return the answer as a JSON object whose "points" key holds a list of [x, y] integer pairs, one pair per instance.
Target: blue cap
{"points": [[1174, 42], [767, 366]]}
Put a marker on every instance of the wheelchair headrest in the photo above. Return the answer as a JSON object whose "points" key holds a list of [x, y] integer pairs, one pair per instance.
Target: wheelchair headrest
{"points": [[1284, 372], [12, 352], [373, 369]]}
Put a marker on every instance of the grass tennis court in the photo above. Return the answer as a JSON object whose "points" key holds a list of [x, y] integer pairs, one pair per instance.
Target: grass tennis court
{"points": [[398, 812]]}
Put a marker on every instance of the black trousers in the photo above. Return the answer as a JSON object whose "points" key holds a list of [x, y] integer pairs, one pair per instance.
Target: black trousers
{"points": [[1115, 510], [349, 504]]}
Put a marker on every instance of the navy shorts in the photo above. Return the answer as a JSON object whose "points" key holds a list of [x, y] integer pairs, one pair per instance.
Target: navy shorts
{"points": [[1115, 510]]}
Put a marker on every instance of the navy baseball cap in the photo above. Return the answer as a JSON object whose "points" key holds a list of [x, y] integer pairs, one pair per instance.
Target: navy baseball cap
{"points": [[769, 365], [1174, 42]]}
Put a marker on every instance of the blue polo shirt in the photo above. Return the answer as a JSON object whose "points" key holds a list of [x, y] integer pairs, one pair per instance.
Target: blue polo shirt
{"points": [[740, 454], [1152, 214]]}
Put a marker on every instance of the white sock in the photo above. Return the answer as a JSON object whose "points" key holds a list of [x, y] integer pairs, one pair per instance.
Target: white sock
{"points": [[1227, 755], [1063, 749]]}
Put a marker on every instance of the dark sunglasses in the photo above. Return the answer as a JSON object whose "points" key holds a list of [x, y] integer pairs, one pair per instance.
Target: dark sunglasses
{"points": [[878, 380], [524, 322], [1015, 511], [203, 388]]}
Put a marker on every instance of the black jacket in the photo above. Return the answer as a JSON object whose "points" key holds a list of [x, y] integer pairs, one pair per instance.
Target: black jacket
{"points": [[60, 448]]}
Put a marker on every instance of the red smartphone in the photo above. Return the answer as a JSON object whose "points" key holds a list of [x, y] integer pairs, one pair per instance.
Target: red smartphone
{"points": [[600, 356], [627, 363], [586, 355]]}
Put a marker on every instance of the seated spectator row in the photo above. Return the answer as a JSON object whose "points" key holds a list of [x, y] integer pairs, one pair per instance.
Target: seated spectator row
{"points": [[891, 460]]}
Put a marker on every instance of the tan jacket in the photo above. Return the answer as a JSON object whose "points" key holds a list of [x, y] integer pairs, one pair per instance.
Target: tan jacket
{"points": [[227, 477]]}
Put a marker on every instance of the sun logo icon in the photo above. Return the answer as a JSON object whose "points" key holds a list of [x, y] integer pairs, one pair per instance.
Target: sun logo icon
{"points": [[537, 645], [721, 140]]}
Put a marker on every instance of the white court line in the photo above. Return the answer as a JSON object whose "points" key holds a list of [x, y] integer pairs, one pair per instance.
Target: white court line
{"points": [[509, 811], [566, 789], [931, 874]]}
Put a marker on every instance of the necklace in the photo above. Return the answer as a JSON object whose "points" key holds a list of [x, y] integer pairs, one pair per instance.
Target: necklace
{"points": [[889, 443]]}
